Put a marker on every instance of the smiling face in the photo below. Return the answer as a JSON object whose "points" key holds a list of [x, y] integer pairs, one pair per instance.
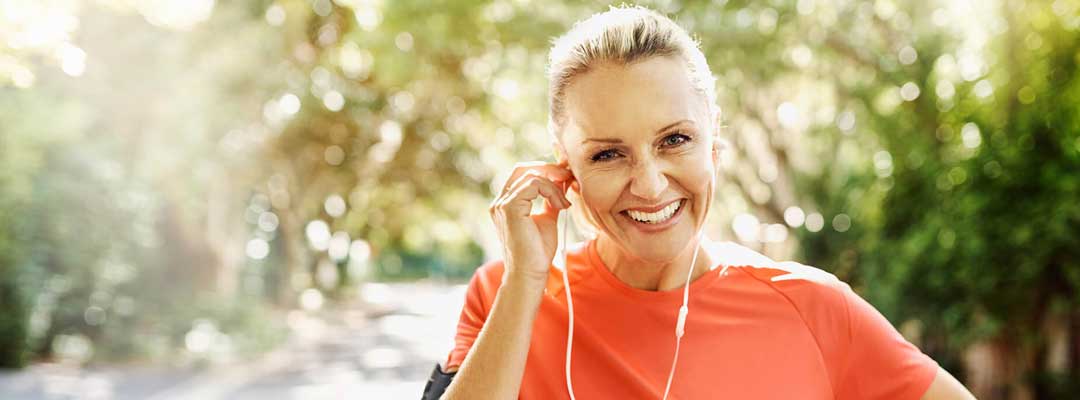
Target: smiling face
{"points": [[641, 144]]}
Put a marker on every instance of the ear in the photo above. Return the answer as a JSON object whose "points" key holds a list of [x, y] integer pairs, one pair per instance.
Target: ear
{"points": [[719, 145], [562, 159], [560, 152]]}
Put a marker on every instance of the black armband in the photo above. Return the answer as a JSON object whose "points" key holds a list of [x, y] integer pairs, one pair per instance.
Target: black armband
{"points": [[437, 383]]}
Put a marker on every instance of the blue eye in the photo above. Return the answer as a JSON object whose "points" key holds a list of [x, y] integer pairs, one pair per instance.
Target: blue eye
{"points": [[675, 139], [603, 155]]}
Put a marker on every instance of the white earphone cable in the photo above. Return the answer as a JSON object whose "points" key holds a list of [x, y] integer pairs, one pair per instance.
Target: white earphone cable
{"points": [[561, 252], [680, 326]]}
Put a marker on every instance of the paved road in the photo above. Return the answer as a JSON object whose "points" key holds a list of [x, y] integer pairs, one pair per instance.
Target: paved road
{"points": [[384, 349]]}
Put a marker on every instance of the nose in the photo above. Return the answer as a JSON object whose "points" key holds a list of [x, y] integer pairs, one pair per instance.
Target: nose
{"points": [[647, 180]]}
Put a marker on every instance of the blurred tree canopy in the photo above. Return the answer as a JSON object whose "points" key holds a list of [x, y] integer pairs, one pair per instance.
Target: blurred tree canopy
{"points": [[926, 151]]}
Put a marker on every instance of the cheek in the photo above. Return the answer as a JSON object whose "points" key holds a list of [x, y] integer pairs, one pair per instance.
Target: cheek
{"points": [[601, 190], [692, 178], [703, 180], [698, 170]]}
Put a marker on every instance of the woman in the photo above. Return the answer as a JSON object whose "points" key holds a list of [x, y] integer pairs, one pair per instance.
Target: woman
{"points": [[636, 127]]}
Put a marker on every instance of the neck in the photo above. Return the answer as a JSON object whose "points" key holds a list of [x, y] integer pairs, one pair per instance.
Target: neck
{"points": [[647, 275]]}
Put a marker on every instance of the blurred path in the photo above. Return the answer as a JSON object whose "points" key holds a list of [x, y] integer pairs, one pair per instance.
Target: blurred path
{"points": [[380, 348]]}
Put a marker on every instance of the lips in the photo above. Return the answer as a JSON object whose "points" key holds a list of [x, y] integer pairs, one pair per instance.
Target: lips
{"points": [[652, 209], [659, 218]]}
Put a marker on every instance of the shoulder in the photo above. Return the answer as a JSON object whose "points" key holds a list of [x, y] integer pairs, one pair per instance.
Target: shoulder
{"points": [[488, 277], [771, 272], [821, 300], [484, 284], [491, 269], [865, 356]]}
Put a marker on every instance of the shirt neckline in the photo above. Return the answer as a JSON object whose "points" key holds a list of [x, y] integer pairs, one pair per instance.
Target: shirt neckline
{"points": [[599, 268]]}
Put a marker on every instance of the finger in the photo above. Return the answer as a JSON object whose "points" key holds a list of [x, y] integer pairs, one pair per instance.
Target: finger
{"points": [[571, 180], [530, 175], [549, 213], [550, 207], [517, 202], [532, 188], [550, 210], [553, 193], [553, 172]]}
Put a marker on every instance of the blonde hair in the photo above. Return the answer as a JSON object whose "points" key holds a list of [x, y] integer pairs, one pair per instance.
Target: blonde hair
{"points": [[622, 35]]}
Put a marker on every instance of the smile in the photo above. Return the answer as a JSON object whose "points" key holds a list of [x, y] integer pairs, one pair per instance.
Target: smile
{"points": [[657, 217]]}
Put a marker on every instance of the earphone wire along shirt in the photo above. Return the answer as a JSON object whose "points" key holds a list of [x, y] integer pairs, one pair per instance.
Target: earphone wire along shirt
{"points": [[746, 336]]}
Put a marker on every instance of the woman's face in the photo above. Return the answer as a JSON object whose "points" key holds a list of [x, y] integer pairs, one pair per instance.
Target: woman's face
{"points": [[640, 142]]}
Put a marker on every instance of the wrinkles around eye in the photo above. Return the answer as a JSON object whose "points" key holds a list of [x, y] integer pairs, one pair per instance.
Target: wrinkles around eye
{"points": [[666, 143]]}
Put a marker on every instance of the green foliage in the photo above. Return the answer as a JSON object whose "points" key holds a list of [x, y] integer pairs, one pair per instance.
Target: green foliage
{"points": [[973, 230], [14, 321], [936, 141]]}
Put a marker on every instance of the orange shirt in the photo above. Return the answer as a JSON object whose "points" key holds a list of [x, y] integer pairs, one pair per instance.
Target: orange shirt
{"points": [[746, 336]]}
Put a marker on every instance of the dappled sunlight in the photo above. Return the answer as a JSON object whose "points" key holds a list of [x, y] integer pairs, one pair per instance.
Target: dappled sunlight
{"points": [[286, 198]]}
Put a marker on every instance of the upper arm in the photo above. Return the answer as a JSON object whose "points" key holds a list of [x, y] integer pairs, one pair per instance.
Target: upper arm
{"points": [[946, 387], [878, 362], [478, 296], [865, 356]]}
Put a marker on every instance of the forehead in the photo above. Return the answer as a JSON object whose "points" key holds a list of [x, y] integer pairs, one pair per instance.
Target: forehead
{"points": [[630, 101]]}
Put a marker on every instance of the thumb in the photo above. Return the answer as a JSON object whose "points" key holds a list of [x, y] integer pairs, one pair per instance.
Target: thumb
{"points": [[547, 225], [549, 215], [548, 218]]}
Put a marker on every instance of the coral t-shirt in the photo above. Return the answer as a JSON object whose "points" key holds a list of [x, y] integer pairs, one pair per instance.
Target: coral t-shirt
{"points": [[747, 337]]}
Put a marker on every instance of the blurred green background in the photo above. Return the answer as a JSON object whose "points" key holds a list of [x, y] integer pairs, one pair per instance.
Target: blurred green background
{"points": [[182, 181]]}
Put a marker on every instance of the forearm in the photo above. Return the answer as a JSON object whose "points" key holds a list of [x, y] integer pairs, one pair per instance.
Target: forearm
{"points": [[495, 364]]}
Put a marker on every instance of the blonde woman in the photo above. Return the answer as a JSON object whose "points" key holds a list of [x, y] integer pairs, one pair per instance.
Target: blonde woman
{"points": [[649, 308]]}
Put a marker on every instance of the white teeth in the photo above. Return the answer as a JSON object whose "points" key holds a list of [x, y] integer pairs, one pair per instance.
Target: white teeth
{"points": [[656, 217]]}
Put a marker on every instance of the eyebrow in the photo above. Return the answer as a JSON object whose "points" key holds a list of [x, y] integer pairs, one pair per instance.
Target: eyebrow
{"points": [[617, 140]]}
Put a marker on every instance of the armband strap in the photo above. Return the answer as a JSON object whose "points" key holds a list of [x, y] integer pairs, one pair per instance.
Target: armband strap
{"points": [[437, 383]]}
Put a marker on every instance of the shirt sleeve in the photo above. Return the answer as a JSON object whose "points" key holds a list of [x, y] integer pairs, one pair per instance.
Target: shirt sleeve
{"points": [[880, 363], [478, 298]]}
